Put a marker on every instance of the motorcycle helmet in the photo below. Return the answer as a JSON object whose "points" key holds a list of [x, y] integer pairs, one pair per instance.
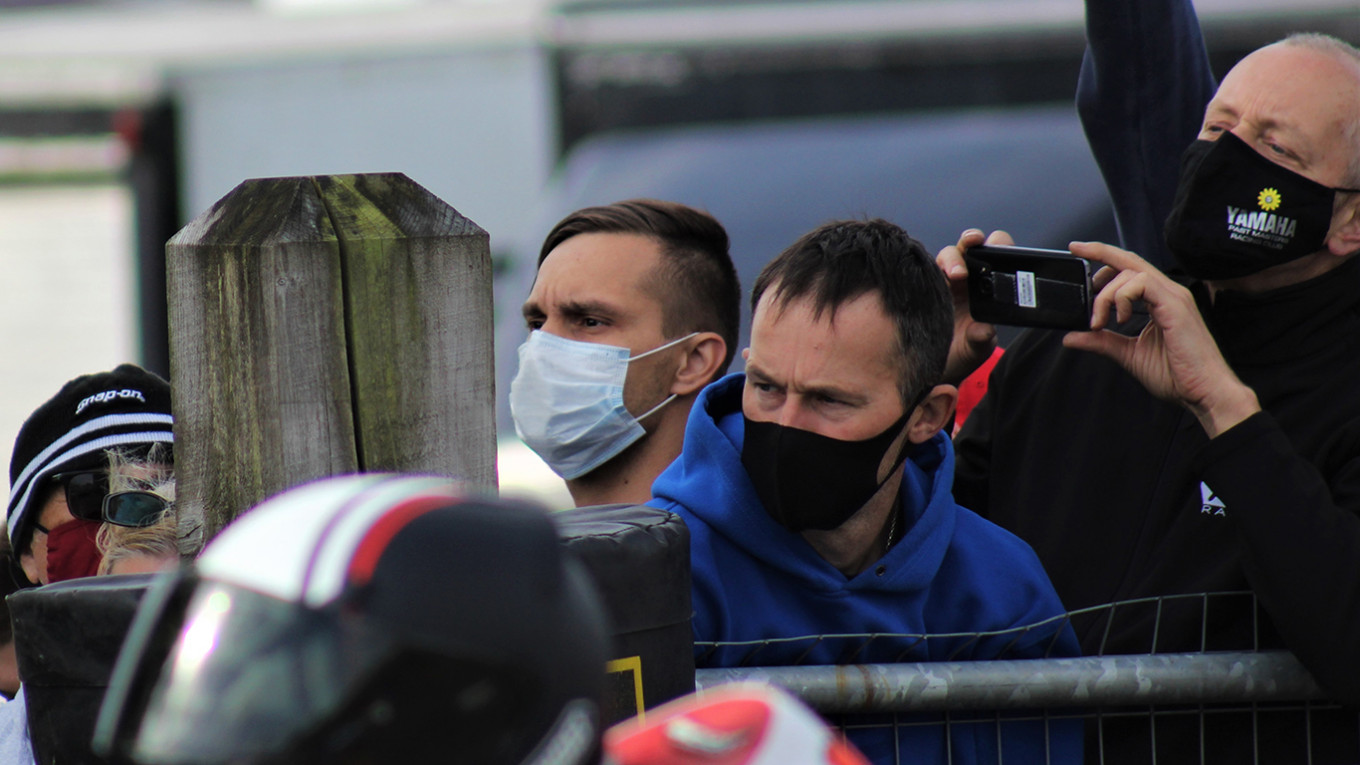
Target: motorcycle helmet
{"points": [[366, 619]]}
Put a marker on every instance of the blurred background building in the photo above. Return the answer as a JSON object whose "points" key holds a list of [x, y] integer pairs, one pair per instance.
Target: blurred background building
{"points": [[121, 120]]}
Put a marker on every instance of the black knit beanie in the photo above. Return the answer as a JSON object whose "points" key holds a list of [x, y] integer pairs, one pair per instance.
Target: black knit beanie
{"points": [[128, 408]]}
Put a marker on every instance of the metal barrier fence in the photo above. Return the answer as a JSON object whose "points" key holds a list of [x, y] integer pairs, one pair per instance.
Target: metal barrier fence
{"points": [[1198, 706]]}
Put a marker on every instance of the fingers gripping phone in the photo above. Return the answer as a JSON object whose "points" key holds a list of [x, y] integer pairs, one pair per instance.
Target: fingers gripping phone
{"points": [[1025, 287]]}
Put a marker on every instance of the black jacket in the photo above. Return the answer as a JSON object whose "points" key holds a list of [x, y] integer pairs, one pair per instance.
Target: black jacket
{"points": [[1104, 481]]}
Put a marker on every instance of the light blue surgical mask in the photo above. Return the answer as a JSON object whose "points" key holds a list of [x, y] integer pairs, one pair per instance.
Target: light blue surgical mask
{"points": [[567, 401]]}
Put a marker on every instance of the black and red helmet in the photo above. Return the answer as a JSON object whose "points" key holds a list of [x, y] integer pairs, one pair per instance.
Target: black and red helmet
{"points": [[366, 618]]}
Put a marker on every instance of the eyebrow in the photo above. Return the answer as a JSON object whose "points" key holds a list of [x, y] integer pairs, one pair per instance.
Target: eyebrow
{"points": [[1215, 105], [1268, 123], [573, 309], [753, 370], [830, 391]]}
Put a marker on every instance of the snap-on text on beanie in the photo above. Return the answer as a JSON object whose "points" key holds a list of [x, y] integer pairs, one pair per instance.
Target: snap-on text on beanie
{"points": [[109, 395]]}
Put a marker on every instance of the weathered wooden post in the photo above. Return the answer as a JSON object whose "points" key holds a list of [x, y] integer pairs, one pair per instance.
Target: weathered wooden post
{"points": [[326, 325]]}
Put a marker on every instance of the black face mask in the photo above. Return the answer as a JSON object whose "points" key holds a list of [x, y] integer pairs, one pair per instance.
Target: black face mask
{"points": [[809, 481], [1237, 213]]}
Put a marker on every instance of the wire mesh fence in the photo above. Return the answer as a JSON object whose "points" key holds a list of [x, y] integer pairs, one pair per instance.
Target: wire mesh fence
{"points": [[1216, 695]]}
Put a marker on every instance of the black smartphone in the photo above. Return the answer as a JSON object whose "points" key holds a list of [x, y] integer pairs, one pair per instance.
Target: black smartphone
{"points": [[1026, 287]]}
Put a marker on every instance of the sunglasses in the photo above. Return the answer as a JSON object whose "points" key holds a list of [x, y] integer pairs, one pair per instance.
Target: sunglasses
{"points": [[88, 498], [134, 508], [85, 492]]}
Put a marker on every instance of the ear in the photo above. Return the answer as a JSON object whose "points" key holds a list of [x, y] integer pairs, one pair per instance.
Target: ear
{"points": [[1343, 238], [932, 413], [703, 357], [30, 566]]}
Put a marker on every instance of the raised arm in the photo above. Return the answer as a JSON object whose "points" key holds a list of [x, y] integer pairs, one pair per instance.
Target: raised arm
{"points": [[1144, 83]]}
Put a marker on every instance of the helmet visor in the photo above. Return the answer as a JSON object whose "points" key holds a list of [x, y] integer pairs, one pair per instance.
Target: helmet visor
{"points": [[247, 674]]}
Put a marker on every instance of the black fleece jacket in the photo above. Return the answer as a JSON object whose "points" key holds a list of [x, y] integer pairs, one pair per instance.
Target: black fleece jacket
{"points": [[1108, 484], [1123, 495]]}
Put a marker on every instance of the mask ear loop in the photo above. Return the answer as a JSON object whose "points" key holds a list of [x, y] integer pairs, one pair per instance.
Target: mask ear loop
{"points": [[653, 410], [671, 397], [904, 448], [659, 348], [903, 453]]}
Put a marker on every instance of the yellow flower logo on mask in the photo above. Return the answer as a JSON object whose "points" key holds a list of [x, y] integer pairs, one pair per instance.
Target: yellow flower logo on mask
{"points": [[1268, 199]]}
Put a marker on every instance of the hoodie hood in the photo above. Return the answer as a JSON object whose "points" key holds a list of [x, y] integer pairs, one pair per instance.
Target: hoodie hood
{"points": [[709, 481]]}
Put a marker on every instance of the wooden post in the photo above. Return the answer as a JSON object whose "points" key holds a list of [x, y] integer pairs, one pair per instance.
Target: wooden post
{"points": [[328, 325]]}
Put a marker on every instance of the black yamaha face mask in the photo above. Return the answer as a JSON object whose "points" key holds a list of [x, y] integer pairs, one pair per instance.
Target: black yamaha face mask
{"points": [[810, 481], [1237, 213]]}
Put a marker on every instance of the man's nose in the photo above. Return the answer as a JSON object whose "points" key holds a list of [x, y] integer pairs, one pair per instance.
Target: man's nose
{"points": [[793, 414]]}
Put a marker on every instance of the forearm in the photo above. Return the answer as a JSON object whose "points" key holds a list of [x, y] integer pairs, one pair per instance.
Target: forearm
{"points": [[1300, 544], [1144, 83], [1233, 403]]}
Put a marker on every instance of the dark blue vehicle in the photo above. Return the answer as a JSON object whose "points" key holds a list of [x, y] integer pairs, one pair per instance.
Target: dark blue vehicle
{"points": [[1026, 170]]}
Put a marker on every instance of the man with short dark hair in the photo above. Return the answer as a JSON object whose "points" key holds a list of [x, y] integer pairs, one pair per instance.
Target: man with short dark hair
{"points": [[634, 310], [816, 488]]}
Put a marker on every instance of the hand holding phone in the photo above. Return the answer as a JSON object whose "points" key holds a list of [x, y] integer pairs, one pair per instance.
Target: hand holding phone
{"points": [[1026, 287]]}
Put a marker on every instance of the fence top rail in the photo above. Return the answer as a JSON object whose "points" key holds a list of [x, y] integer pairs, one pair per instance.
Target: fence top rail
{"points": [[1094, 681]]}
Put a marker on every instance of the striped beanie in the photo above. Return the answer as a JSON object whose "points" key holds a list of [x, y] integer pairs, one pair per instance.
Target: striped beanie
{"points": [[127, 408]]}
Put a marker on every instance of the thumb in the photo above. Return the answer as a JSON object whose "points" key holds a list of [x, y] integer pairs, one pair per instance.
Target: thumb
{"points": [[980, 334], [1112, 345]]}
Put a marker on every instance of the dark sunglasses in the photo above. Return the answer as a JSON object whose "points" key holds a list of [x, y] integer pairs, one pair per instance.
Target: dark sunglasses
{"points": [[134, 508], [85, 492], [88, 498]]}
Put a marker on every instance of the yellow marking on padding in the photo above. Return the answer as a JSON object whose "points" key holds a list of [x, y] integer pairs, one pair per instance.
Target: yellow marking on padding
{"points": [[631, 664]]}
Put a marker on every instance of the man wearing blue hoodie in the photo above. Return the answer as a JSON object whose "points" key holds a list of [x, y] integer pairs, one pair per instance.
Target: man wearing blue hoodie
{"points": [[817, 491]]}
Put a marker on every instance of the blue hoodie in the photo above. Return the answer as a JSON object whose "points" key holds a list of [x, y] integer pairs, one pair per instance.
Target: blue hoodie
{"points": [[950, 576]]}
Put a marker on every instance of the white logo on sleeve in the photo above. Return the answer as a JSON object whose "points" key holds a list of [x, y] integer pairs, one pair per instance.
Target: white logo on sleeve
{"points": [[1210, 504]]}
